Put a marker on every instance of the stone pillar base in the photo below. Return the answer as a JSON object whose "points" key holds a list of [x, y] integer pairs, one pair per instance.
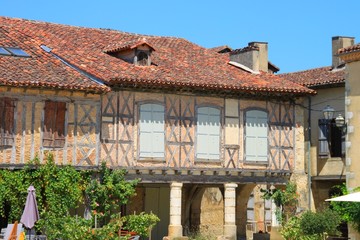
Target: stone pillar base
{"points": [[175, 231], [230, 231]]}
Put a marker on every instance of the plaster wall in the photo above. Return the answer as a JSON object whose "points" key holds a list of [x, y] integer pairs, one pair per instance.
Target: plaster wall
{"points": [[353, 118], [334, 97], [80, 125]]}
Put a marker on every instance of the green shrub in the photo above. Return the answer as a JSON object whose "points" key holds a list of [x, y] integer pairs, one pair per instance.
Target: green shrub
{"points": [[324, 222], [76, 228], [311, 226], [141, 223]]}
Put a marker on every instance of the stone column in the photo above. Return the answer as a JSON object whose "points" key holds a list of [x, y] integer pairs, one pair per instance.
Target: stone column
{"points": [[230, 210], [175, 227]]}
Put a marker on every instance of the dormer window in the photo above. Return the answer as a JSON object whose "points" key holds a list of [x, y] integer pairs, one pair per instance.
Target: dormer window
{"points": [[142, 59], [137, 52]]}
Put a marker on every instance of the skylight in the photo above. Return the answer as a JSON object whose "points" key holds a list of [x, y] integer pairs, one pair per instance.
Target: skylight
{"points": [[13, 51], [4, 52]]}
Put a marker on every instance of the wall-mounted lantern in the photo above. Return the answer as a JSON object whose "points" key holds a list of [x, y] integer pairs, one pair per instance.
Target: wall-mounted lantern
{"points": [[328, 112]]}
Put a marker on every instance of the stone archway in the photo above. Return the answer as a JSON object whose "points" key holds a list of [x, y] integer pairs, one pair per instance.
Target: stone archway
{"points": [[242, 196], [204, 207], [212, 212]]}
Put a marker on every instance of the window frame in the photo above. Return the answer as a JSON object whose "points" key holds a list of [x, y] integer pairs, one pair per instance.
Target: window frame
{"points": [[56, 141], [220, 109], [258, 162], [331, 139], [7, 139], [154, 158], [139, 62]]}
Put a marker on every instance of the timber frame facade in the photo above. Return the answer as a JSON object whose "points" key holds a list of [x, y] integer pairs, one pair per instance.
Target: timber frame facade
{"points": [[213, 124]]}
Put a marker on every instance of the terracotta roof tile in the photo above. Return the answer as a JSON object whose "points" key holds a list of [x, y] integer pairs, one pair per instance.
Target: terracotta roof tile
{"points": [[316, 77], [41, 69], [179, 63], [353, 48], [129, 45], [221, 49]]}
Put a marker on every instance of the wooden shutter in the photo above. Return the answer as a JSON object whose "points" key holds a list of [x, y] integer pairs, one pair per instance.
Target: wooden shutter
{"points": [[256, 136], [208, 133], [54, 124], [152, 133], [59, 134], [323, 138], [7, 108]]}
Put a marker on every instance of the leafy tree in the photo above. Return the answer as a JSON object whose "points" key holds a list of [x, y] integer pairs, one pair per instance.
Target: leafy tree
{"points": [[108, 190], [349, 211]]}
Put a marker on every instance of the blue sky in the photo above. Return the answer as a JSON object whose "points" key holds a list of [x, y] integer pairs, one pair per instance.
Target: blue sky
{"points": [[298, 32]]}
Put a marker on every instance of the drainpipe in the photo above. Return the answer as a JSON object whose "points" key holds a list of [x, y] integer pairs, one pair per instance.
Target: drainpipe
{"points": [[308, 152]]}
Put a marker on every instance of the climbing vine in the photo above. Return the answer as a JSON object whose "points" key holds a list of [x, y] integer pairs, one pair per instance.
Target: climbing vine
{"points": [[286, 200]]}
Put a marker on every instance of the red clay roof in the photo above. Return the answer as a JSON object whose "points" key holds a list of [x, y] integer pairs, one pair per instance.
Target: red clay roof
{"points": [[353, 48], [221, 49], [129, 45], [177, 62], [41, 69], [316, 77]]}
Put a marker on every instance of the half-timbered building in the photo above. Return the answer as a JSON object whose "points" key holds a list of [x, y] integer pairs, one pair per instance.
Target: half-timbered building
{"points": [[182, 118]]}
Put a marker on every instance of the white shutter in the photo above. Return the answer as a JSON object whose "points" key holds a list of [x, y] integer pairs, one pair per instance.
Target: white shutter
{"points": [[256, 139], [208, 133], [151, 125]]}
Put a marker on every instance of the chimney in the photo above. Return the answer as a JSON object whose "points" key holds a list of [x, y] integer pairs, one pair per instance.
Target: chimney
{"points": [[263, 55], [254, 56], [339, 42]]}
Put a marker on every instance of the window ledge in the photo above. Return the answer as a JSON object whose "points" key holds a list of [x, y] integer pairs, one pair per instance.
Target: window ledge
{"points": [[256, 162], [150, 159], [202, 160]]}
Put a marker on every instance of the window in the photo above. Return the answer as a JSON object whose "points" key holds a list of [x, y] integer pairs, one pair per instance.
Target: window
{"points": [[151, 131], [7, 107], [208, 133], [54, 124], [3, 51], [256, 136], [13, 51], [142, 59], [331, 139]]}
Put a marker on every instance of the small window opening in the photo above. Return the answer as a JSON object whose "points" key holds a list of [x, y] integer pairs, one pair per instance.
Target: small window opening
{"points": [[142, 59]]}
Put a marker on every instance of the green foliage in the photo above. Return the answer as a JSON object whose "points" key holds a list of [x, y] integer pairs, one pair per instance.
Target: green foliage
{"points": [[311, 226], [108, 190], [349, 211], [75, 228], [57, 188], [326, 221], [60, 189], [291, 229], [141, 223], [286, 200]]}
